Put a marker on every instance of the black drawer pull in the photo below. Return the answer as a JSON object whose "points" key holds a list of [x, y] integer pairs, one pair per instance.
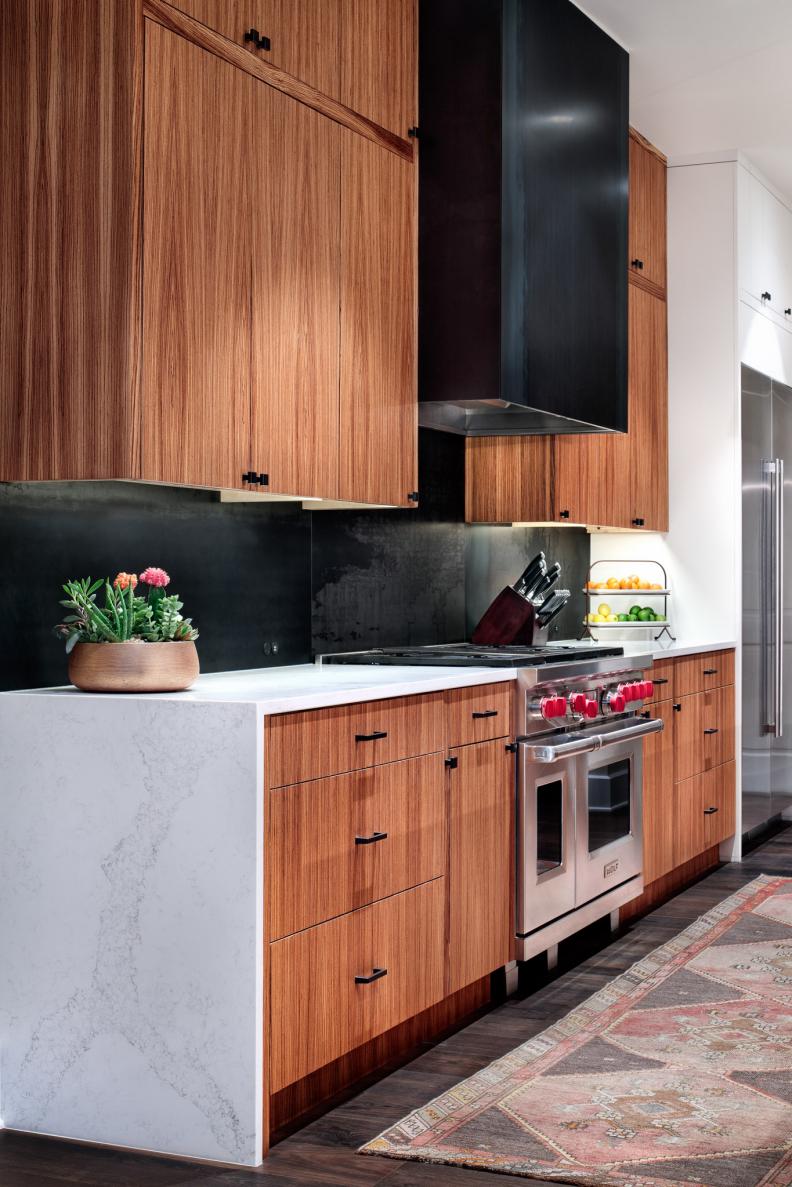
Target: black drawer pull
{"points": [[485, 713], [374, 975], [370, 840], [678, 707], [636, 263], [371, 737], [660, 680], [647, 713], [711, 731], [710, 671], [710, 811], [258, 39], [767, 296]]}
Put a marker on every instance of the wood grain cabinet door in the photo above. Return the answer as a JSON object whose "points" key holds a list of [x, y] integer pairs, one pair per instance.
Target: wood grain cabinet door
{"points": [[196, 265], [303, 34], [646, 468], [481, 870], [647, 218], [658, 795], [379, 59], [295, 295], [509, 479], [379, 409], [718, 806]]}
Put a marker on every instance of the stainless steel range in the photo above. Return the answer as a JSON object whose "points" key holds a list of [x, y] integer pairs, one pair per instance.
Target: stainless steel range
{"points": [[578, 779]]}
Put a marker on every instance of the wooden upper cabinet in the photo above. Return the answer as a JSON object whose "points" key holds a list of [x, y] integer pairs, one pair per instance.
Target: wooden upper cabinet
{"points": [[196, 265], [379, 403], [647, 220], [648, 411], [303, 35], [294, 245], [509, 479], [379, 61]]}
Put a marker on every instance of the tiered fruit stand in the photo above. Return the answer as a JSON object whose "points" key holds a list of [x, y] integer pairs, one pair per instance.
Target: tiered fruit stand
{"points": [[660, 592]]}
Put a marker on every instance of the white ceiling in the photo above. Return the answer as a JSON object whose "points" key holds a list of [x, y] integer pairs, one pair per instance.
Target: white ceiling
{"points": [[709, 75]]}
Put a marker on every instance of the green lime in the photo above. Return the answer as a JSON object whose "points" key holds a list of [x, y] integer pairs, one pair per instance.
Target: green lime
{"points": [[624, 618], [634, 611], [646, 615]]}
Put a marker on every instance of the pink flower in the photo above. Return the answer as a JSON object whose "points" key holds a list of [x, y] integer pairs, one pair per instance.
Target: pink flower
{"points": [[156, 577]]}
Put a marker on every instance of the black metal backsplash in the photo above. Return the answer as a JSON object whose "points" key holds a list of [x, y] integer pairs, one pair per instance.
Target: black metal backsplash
{"points": [[267, 584]]}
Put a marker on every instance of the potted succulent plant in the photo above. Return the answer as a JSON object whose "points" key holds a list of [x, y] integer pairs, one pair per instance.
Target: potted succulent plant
{"points": [[137, 641]]}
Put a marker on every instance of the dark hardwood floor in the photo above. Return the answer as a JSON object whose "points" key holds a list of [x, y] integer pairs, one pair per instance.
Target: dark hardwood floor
{"points": [[323, 1153]]}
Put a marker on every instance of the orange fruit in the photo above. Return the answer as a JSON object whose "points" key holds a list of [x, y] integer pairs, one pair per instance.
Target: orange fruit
{"points": [[624, 583], [644, 585], [613, 583]]}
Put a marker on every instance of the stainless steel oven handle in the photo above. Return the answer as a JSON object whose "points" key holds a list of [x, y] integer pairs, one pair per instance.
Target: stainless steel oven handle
{"points": [[587, 745]]}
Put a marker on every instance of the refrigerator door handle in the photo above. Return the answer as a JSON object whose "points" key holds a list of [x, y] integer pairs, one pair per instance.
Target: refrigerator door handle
{"points": [[778, 588]]}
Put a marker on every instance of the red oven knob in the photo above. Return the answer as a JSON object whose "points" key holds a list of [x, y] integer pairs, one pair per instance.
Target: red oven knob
{"points": [[551, 707], [578, 702], [614, 702], [592, 708], [648, 689], [628, 691]]}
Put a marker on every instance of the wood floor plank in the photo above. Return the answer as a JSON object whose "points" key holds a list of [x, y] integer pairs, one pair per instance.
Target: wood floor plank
{"points": [[323, 1154]]}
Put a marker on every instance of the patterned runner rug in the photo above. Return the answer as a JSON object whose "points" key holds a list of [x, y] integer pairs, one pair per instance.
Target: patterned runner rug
{"points": [[677, 1072]]}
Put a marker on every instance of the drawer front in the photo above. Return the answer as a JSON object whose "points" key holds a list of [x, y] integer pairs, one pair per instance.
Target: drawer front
{"points": [[662, 676], [718, 807], [318, 1011], [697, 673], [688, 820], [703, 731], [340, 843], [302, 746], [479, 714]]}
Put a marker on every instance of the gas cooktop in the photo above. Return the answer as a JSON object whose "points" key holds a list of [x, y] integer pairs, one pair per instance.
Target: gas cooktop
{"points": [[472, 655]]}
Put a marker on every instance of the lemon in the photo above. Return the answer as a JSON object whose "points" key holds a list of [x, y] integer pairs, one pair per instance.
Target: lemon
{"points": [[595, 618], [604, 610]]}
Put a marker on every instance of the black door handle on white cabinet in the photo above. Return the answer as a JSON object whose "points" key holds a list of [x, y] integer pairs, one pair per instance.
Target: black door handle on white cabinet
{"points": [[374, 975], [767, 296], [370, 840]]}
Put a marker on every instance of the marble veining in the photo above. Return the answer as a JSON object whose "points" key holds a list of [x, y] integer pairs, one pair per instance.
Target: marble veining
{"points": [[130, 993]]}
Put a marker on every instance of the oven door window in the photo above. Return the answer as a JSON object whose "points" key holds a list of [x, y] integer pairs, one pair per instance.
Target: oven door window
{"points": [[549, 826], [609, 805]]}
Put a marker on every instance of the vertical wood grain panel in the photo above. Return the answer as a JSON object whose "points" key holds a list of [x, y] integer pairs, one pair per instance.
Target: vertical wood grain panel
{"points": [[379, 61], [304, 34], [318, 1012], [295, 266], [647, 220], [466, 706], [70, 73], [645, 476], [196, 273], [312, 831], [694, 673], [379, 409], [658, 796], [718, 790], [481, 805], [509, 479]]}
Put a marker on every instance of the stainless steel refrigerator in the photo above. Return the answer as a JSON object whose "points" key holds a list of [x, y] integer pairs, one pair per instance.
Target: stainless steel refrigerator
{"points": [[767, 599]]}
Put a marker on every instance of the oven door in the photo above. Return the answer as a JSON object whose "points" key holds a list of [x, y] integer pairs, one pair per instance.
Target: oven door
{"points": [[609, 818], [545, 841]]}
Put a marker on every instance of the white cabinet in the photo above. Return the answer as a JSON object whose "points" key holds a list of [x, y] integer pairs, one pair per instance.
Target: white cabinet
{"points": [[765, 248]]}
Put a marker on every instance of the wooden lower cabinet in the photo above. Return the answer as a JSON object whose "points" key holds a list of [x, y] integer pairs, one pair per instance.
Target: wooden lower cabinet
{"points": [[354, 839], [335, 986], [703, 731], [480, 869], [717, 803], [658, 790]]}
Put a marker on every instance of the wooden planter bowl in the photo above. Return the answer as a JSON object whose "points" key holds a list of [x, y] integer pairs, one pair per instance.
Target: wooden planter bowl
{"points": [[133, 667]]}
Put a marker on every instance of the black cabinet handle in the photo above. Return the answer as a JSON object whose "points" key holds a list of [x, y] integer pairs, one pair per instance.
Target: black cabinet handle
{"points": [[374, 975], [371, 737], [660, 680], [262, 479], [710, 811], [677, 707], [647, 713], [767, 297], [485, 713], [563, 515], [370, 840], [251, 476], [636, 264], [788, 311], [638, 523], [258, 39], [710, 671], [711, 731]]}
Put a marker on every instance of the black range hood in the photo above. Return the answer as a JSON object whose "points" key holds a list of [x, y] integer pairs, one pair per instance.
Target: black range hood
{"points": [[523, 219]]}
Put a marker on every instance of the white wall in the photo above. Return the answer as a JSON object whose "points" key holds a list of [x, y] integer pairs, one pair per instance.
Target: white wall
{"points": [[702, 547]]}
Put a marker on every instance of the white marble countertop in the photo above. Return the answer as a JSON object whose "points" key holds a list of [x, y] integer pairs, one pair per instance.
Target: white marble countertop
{"points": [[310, 686]]}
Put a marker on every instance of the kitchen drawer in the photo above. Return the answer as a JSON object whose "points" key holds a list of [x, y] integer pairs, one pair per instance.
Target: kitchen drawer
{"points": [[717, 804], [339, 843], [662, 676], [703, 731], [318, 1011], [319, 742], [697, 673], [479, 714]]}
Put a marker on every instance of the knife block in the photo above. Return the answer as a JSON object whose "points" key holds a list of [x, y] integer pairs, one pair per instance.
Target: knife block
{"points": [[511, 619]]}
